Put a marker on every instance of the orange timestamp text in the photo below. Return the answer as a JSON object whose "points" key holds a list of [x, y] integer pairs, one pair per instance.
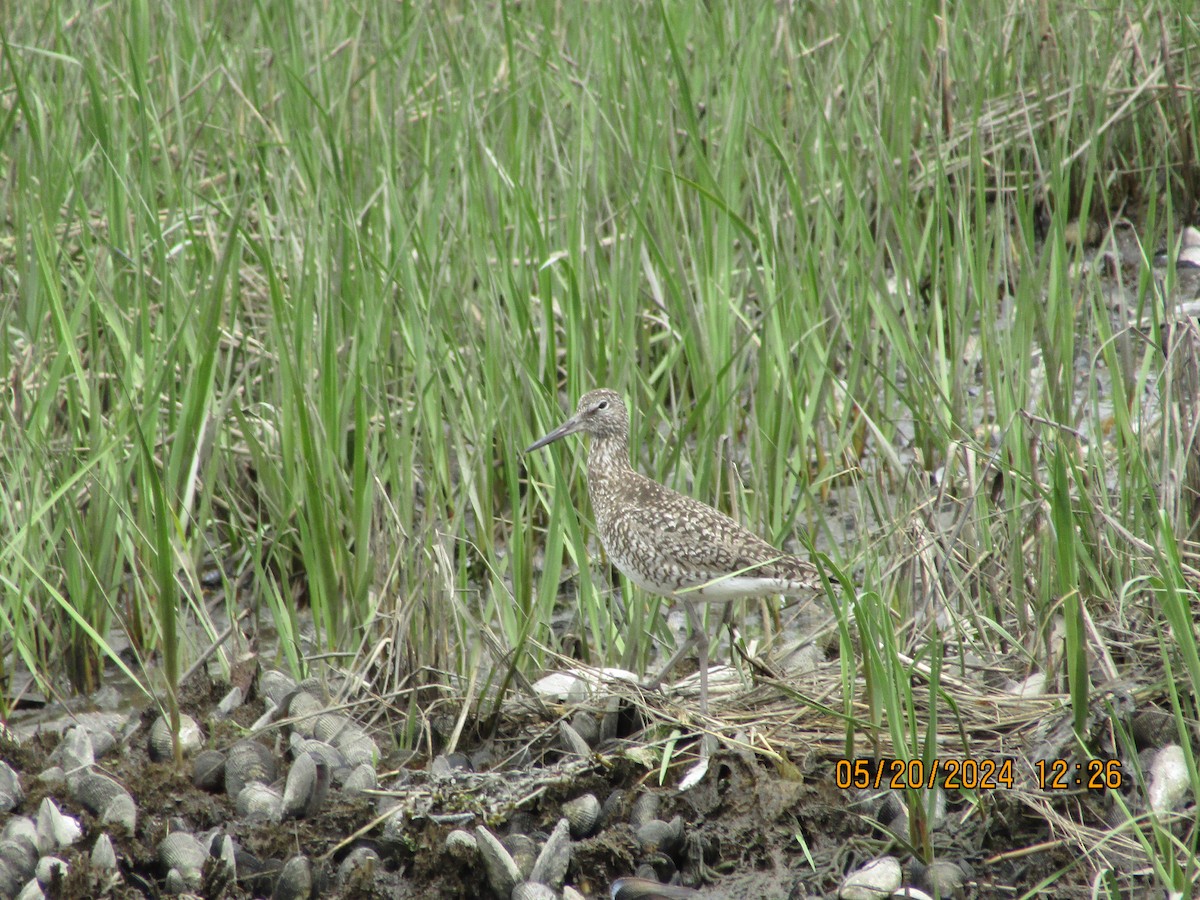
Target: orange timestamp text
{"points": [[1085, 774], [897, 774]]}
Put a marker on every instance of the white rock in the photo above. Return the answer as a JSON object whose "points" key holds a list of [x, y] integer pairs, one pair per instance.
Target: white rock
{"points": [[878, 878], [1032, 686], [577, 685], [230, 702], [1168, 779]]}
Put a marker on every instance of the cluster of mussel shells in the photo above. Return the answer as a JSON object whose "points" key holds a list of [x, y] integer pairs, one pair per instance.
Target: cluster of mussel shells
{"points": [[210, 862], [329, 751], [34, 849], [521, 866], [330, 754]]}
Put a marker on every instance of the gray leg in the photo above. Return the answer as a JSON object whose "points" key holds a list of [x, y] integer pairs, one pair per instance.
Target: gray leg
{"points": [[696, 639], [684, 649], [696, 624]]}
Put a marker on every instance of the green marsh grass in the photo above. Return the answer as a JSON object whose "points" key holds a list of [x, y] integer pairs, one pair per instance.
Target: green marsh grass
{"points": [[335, 266]]}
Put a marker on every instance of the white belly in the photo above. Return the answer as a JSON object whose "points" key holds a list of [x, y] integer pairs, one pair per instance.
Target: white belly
{"points": [[672, 581]]}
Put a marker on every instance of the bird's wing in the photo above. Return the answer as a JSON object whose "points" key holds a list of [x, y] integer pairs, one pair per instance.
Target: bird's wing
{"points": [[704, 542]]}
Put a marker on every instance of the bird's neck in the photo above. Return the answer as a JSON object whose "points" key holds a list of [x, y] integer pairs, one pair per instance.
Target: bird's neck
{"points": [[608, 460], [607, 455]]}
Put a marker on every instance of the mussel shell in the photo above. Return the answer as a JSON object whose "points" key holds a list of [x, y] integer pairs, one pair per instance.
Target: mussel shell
{"points": [[107, 799], [330, 726], [462, 845], [333, 757], [583, 815], [306, 788], [362, 778], [533, 890], [555, 857], [275, 685], [259, 802], [305, 710], [20, 828], [645, 808], [638, 888], [232, 700], [104, 855], [657, 836], [50, 868], [208, 770], [586, 727], [19, 857], [523, 850], [502, 871], [572, 742], [55, 830], [181, 850], [295, 881], [359, 867], [10, 881], [191, 738], [248, 761], [11, 793], [941, 878], [180, 882], [75, 751], [95, 791], [357, 746]]}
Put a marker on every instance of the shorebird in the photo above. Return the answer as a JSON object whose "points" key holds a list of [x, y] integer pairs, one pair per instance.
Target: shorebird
{"points": [[669, 544]]}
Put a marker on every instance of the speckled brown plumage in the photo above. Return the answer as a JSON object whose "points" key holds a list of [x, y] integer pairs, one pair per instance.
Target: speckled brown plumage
{"points": [[665, 542]]}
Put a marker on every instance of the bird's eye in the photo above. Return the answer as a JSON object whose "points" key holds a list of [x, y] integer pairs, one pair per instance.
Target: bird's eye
{"points": [[603, 404]]}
